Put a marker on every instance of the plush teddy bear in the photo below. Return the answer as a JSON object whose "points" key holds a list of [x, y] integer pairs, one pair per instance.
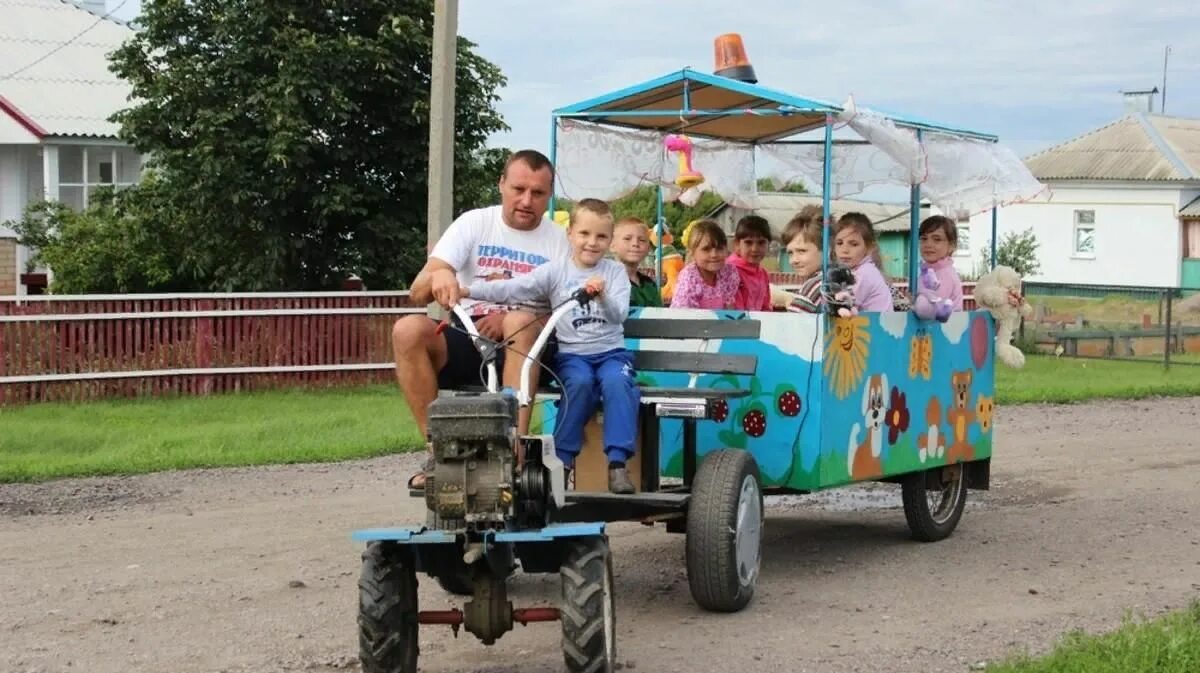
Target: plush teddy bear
{"points": [[927, 305], [839, 291], [993, 291]]}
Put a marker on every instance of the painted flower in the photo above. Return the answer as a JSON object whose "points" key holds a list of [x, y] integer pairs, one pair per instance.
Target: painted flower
{"points": [[984, 409], [846, 346], [897, 415]]}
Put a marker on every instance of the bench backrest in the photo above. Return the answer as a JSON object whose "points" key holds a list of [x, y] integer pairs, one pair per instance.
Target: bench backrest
{"points": [[691, 328]]}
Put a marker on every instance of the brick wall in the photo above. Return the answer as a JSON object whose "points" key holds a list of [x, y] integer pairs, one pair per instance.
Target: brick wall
{"points": [[8, 266]]}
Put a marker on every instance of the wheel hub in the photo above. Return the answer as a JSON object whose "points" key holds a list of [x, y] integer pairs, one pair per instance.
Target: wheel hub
{"points": [[748, 533]]}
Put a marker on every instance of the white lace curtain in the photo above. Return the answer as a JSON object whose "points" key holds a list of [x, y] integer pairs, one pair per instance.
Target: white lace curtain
{"points": [[959, 176]]}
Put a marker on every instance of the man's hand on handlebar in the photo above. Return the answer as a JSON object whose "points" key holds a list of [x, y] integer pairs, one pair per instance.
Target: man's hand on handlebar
{"points": [[445, 287], [594, 286]]}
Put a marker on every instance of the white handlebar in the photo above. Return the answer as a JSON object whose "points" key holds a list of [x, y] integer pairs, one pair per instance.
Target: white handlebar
{"points": [[523, 398]]}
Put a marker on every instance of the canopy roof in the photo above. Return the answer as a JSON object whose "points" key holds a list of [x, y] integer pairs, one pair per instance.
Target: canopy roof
{"points": [[722, 108]]}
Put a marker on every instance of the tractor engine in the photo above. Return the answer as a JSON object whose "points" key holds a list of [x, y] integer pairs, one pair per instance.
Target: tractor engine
{"points": [[472, 437]]}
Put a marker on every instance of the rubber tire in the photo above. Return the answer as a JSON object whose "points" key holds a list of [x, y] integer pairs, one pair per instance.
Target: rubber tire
{"points": [[588, 610], [916, 507], [712, 566], [387, 610]]}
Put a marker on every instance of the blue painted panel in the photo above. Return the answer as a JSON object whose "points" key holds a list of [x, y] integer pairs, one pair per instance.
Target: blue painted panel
{"points": [[551, 532], [928, 389], [409, 534]]}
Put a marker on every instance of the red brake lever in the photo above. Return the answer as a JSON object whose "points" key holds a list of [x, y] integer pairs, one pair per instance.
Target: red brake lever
{"points": [[441, 327]]}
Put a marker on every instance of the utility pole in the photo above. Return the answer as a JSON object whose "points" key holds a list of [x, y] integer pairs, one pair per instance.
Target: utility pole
{"points": [[441, 119], [1162, 106]]}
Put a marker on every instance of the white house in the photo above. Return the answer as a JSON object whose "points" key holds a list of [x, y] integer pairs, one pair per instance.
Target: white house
{"points": [[1124, 203], [56, 95]]}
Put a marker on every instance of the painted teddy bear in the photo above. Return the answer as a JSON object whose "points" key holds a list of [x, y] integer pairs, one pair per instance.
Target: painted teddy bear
{"points": [[960, 416]]}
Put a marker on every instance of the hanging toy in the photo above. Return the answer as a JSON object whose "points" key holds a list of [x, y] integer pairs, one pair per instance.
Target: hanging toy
{"points": [[672, 262], [687, 177]]}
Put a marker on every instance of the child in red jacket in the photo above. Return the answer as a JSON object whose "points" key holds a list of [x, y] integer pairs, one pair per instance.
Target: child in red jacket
{"points": [[751, 240]]}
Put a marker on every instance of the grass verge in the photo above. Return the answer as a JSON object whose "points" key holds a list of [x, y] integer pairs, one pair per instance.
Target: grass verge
{"points": [[136, 436], [1064, 380], [1169, 644]]}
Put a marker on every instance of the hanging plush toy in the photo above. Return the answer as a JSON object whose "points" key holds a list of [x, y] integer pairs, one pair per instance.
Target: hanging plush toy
{"points": [[672, 262], [687, 177]]}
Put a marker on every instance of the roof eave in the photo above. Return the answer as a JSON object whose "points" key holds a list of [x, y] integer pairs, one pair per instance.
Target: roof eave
{"points": [[22, 119]]}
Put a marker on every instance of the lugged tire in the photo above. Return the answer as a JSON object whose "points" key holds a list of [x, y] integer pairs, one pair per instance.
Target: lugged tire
{"points": [[926, 525], [588, 611], [387, 610], [714, 575]]}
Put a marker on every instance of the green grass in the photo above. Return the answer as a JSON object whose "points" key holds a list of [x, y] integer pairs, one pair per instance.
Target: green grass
{"points": [[1061, 380], [1169, 644], [124, 437], [45, 441]]}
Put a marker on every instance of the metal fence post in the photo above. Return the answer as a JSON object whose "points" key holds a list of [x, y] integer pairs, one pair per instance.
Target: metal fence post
{"points": [[1167, 332]]}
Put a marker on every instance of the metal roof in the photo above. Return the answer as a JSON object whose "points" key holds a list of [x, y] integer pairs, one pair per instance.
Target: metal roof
{"points": [[780, 207], [70, 91], [1138, 147], [1192, 209], [719, 107]]}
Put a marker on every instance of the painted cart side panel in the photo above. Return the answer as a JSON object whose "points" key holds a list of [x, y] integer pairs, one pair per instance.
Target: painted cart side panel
{"points": [[902, 394], [804, 418]]}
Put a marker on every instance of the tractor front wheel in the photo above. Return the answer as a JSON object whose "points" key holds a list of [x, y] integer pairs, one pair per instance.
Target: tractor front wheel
{"points": [[387, 610]]}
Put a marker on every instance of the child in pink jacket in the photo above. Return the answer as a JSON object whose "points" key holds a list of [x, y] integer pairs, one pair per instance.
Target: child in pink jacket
{"points": [[751, 240]]}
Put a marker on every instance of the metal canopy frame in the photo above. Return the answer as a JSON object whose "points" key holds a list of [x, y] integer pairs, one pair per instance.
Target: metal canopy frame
{"points": [[720, 108]]}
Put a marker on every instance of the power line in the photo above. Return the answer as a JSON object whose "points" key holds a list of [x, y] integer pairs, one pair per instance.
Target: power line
{"points": [[55, 50]]}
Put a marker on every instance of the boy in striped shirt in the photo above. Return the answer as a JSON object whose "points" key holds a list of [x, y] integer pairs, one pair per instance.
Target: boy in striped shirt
{"points": [[802, 240]]}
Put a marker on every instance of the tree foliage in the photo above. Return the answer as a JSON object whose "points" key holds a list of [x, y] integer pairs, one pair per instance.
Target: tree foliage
{"points": [[1016, 250], [770, 185], [104, 248], [290, 138]]}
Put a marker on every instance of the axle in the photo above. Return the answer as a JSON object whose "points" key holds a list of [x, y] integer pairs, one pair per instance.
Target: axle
{"points": [[454, 617]]}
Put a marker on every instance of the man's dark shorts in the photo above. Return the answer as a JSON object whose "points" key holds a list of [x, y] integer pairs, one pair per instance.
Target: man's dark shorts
{"points": [[463, 364]]}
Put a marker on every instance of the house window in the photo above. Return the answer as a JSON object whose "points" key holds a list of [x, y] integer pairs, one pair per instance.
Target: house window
{"points": [[1085, 233], [106, 172], [964, 241], [1191, 239]]}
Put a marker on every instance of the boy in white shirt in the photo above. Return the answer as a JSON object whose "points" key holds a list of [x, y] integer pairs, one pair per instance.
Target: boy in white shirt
{"points": [[592, 360]]}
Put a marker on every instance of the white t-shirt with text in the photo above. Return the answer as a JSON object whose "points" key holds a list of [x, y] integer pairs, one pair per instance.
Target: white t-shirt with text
{"points": [[479, 244]]}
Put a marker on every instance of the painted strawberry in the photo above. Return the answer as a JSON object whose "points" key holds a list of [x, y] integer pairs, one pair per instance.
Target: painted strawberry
{"points": [[754, 423], [720, 411], [788, 403]]}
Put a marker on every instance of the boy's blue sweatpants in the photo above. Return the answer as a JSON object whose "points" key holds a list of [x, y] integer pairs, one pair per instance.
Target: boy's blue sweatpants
{"points": [[588, 380]]}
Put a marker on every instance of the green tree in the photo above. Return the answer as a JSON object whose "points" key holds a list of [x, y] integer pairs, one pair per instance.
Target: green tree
{"points": [[642, 202], [1019, 251], [291, 137], [770, 185], [104, 248]]}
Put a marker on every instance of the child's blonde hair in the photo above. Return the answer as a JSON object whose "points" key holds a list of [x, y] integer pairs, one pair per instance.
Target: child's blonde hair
{"points": [[593, 206], [704, 230]]}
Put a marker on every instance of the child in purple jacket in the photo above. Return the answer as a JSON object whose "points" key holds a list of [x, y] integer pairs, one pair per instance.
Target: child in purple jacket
{"points": [[940, 289], [854, 245]]}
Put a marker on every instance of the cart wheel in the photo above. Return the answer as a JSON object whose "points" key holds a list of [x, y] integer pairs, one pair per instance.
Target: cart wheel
{"points": [[387, 610], [588, 612], [933, 513], [724, 531]]}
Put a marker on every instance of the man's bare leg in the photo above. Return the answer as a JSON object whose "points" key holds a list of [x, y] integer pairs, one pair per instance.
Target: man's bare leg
{"points": [[420, 354], [522, 339]]}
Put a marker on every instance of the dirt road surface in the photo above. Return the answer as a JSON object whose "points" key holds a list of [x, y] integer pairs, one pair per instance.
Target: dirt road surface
{"points": [[1093, 512]]}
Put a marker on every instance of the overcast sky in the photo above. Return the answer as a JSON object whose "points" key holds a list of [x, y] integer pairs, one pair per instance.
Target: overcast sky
{"points": [[1031, 71]]}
